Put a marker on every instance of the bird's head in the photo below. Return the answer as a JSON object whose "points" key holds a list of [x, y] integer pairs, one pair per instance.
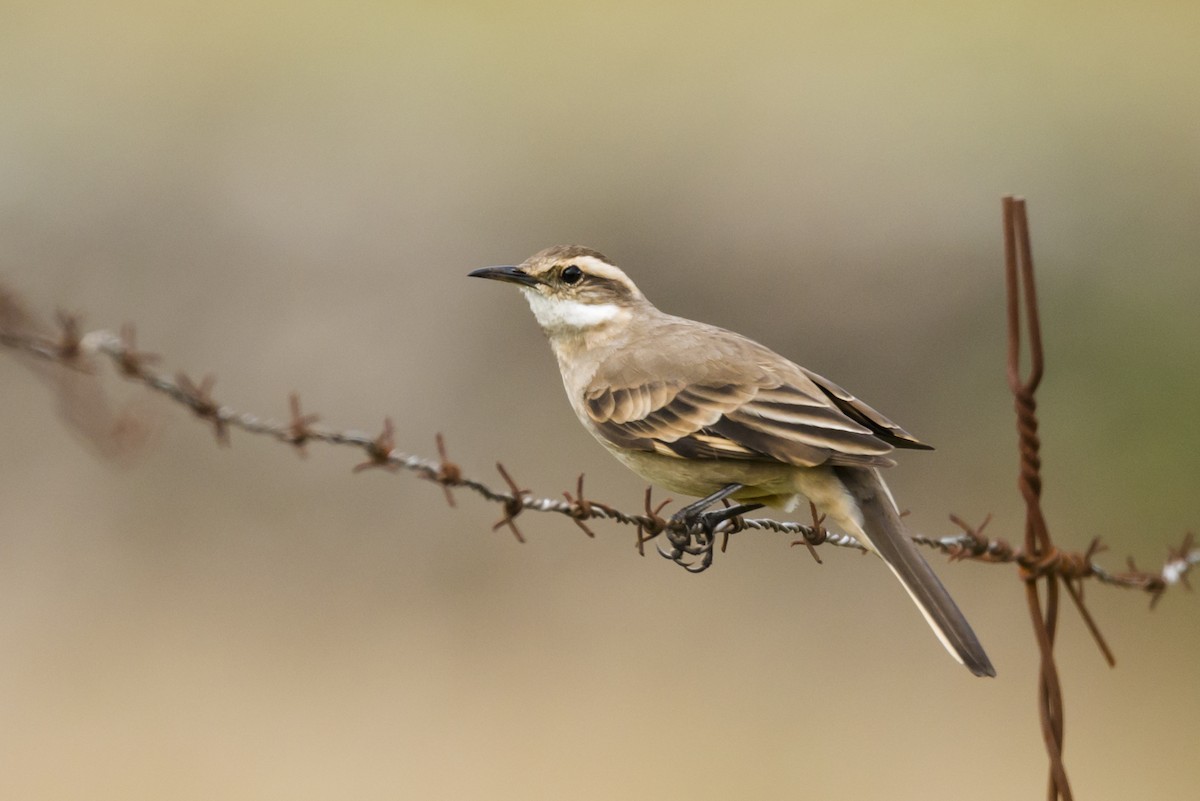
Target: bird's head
{"points": [[571, 289]]}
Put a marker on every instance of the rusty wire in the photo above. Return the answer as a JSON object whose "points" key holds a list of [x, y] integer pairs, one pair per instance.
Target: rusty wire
{"points": [[1022, 296], [73, 350]]}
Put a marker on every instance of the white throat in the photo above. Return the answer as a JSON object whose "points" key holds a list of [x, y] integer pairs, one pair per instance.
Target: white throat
{"points": [[555, 314]]}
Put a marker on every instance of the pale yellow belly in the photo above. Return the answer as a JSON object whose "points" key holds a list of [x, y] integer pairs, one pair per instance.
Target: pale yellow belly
{"points": [[773, 484]]}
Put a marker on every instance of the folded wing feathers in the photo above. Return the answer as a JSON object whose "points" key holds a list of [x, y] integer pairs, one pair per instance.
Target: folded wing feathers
{"points": [[739, 421], [791, 396], [837, 438], [791, 414], [858, 411]]}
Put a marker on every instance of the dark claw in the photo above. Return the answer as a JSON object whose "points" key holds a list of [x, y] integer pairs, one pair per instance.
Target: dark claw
{"points": [[676, 556], [690, 543], [699, 543]]}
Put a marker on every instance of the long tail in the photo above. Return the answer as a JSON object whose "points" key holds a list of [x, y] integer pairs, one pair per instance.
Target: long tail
{"points": [[884, 534]]}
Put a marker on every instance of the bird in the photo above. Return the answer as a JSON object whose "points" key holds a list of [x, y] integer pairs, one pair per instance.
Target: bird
{"points": [[711, 414]]}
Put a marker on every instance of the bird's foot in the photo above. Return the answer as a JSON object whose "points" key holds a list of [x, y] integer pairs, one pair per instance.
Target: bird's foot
{"points": [[695, 538], [694, 533]]}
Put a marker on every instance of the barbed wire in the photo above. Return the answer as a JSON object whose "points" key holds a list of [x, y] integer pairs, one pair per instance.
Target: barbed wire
{"points": [[77, 351]]}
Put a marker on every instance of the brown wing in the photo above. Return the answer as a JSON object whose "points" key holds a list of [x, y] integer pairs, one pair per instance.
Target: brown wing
{"points": [[751, 421], [856, 410], [698, 392]]}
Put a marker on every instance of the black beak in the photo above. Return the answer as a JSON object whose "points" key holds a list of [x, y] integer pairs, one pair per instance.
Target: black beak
{"points": [[506, 272]]}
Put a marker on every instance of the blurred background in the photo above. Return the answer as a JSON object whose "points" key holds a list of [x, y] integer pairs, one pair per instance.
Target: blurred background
{"points": [[289, 196]]}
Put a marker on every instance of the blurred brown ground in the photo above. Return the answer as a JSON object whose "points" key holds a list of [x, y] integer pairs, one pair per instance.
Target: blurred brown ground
{"points": [[290, 195]]}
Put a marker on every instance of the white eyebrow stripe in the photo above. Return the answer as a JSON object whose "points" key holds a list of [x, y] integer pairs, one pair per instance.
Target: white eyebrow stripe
{"points": [[606, 271]]}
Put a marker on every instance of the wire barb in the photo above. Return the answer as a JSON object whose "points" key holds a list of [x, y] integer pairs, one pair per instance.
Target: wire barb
{"points": [[131, 362], [652, 524], [199, 397], [581, 508], [448, 473], [513, 504], [818, 534], [299, 427], [69, 340], [380, 450]]}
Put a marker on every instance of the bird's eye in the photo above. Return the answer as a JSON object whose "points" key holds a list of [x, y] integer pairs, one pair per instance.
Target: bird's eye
{"points": [[571, 274]]}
